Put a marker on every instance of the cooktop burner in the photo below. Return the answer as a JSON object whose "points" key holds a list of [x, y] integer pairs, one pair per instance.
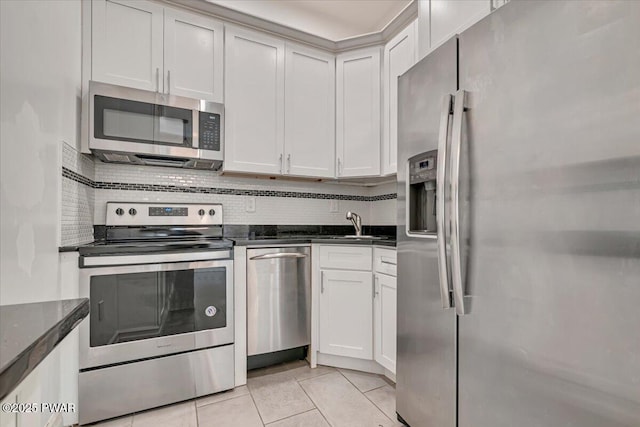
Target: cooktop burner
{"points": [[145, 228]]}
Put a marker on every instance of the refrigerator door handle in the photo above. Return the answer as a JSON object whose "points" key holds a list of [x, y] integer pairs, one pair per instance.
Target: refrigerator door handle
{"points": [[456, 262], [445, 293]]}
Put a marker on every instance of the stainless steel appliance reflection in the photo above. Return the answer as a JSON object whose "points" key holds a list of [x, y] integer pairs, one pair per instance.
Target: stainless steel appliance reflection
{"points": [[278, 299], [521, 307], [161, 323], [151, 128]]}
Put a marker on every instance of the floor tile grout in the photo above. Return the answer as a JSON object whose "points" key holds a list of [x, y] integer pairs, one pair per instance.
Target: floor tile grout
{"points": [[374, 404], [294, 415], [254, 404], [317, 376], [314, 403]]}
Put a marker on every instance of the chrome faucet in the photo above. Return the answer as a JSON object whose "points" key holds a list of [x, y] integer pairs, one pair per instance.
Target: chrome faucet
{"points": [[357, 222]]}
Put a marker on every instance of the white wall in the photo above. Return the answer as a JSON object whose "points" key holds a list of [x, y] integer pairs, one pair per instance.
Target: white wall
{"points": [[39, 108], [39, 94]]}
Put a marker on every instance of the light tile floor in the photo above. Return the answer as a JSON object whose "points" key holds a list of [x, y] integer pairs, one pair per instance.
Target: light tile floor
{"points": [[287, 395]]}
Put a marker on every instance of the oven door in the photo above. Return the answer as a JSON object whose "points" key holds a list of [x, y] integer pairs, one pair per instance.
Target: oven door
{"points": [[142, 311]]}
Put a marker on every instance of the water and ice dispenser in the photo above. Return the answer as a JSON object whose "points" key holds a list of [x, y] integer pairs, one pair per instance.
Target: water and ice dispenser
{"points": [[421, 193]]}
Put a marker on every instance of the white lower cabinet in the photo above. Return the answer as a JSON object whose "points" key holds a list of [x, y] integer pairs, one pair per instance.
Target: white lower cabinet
{"points": [[384, 317], [346, 313], [356, 306]]}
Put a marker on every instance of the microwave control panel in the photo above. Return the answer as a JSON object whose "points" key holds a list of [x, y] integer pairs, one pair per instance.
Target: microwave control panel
{"points": [[209, 131]]}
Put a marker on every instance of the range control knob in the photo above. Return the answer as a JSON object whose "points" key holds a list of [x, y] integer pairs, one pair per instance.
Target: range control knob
{"points": [[132, 211], [201, 212], [120, 211], [212, 212]]}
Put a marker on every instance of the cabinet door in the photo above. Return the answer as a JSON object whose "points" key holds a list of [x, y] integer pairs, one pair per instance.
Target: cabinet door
{"points": [[451, 17], [358, 113], [127, 43], [193, 55], [309, 134], [399, 56], [254, 102], [385, 321], [346, 314]]}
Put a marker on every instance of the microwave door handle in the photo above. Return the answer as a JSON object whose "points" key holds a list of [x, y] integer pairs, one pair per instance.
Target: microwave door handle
{"points": [[456, 259], [441, 232]]}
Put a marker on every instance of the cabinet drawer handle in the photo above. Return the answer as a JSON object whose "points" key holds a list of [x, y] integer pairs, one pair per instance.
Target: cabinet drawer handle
{"points": [[387, 262]]}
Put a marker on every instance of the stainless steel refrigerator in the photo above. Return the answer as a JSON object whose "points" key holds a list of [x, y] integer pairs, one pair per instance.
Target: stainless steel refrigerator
{"points": [[519, 221]]}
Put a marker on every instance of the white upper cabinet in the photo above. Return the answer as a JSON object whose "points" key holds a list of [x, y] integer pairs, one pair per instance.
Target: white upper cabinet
{"points": [[193, 56], [309, 146], [358, 88], [127, 43], [254, 102], [142, 45], [451, 17], [400, 54]]}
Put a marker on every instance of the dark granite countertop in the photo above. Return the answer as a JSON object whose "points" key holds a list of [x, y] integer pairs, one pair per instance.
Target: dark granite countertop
{"points": [[293, 240], [29, 332]]}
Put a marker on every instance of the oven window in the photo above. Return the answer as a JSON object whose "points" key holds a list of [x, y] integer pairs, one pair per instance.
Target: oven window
{"points": [[136, 306], [134, 121]]}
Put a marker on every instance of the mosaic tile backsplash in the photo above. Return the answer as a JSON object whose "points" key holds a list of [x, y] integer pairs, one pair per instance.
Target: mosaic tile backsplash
{"points": [[78, 197], [90, 184]]}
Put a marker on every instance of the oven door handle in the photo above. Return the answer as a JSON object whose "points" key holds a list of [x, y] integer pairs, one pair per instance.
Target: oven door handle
{"points": [[107, 260], [279, 255]]}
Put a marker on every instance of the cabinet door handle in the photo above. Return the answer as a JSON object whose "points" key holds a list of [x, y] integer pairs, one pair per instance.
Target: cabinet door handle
{"points": [[100, 304], [288, 163], [339, 163], [375, 286], [280, 160], [157, 79], [322, 282], [168, 82]]}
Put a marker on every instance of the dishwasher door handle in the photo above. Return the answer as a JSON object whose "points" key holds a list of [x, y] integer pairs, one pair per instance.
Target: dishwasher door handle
{"points": [[279, 255]]}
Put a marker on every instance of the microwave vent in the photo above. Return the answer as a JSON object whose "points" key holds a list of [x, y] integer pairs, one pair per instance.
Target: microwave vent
{"points": [[116, 157]]}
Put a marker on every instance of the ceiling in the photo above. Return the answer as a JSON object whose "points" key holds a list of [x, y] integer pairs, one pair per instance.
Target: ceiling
{"points": [[330, 19]]}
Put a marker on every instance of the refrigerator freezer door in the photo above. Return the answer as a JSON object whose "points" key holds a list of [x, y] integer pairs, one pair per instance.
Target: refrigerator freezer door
{"points": [[554, 276], [426, 352]]}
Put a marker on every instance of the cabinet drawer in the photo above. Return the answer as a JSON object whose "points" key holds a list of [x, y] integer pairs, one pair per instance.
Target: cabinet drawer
{"points": [[345, 257], [385, 261]]}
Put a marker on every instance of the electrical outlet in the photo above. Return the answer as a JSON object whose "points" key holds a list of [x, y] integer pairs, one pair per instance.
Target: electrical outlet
{"points": [[250, 204], [333, 206]]}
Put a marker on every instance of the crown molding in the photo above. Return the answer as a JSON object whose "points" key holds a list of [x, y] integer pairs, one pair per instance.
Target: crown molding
{"points": [[400, 21]]}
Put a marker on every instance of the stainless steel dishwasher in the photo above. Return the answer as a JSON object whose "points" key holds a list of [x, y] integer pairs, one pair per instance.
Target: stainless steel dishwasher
{"points": [[278, 299]]}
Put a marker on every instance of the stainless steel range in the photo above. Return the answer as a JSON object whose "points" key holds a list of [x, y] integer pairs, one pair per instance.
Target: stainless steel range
{"points": [[161, 323]]}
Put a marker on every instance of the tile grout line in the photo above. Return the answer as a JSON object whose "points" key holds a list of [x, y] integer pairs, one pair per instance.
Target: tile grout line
{"points": [[317, 376], [379, 408], [311, 399], [256, 406], [294, 415], [221, 401], [365, 394], [195, 411]]}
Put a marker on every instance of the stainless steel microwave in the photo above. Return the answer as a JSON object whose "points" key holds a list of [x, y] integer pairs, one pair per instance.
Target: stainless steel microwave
{"points": [[150, 128]]}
